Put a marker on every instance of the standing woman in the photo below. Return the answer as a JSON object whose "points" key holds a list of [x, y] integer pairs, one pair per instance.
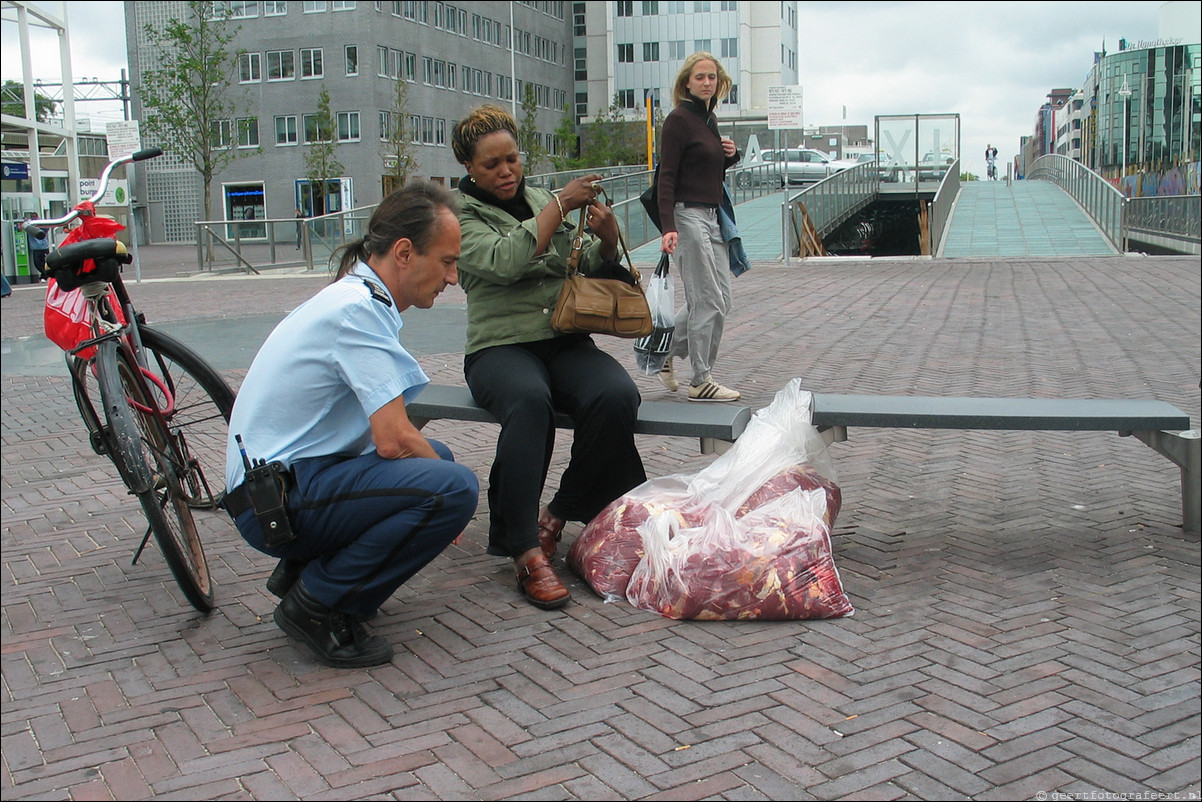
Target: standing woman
{"points": [[692, 168], [516, 240]]}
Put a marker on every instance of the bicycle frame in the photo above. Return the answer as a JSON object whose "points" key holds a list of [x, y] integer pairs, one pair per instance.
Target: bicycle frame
{"points": [[135, 429]]}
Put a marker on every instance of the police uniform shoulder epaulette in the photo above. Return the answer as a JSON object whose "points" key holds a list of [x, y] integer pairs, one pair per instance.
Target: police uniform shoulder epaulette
{"points": [[377, 292]]}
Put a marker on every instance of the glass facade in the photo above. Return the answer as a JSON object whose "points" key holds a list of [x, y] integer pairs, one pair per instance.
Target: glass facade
{"points": [[1148, 112]]}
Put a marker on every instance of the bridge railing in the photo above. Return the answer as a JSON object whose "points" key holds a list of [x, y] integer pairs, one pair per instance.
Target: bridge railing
{"points": [[1171, 221], [1096, 195], [941, 206], [828, 203]]}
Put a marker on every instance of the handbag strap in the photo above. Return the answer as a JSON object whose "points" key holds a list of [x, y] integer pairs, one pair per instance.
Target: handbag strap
{"points": [[578, 242]]}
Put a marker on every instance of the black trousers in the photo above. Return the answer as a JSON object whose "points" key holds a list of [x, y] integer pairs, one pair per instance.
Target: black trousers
{"points": [[523, 385]]}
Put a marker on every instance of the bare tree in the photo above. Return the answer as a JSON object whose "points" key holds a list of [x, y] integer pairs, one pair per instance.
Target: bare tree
{"points": [[529, 140], [322, 165], [188, 97], [396, 149]]}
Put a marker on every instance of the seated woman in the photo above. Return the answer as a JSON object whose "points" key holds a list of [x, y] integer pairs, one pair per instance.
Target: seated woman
{"points": [[516, 240]]}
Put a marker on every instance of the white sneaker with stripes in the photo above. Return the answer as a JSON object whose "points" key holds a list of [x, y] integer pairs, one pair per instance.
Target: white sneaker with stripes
{"points": [[710, 390]]}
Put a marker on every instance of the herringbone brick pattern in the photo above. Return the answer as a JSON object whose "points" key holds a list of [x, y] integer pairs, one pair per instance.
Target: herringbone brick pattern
{"points": [[1027, 605]]}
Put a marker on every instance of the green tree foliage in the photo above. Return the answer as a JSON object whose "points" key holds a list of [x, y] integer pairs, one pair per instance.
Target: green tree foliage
{"points": [[396, 148], [569, 142], [529, 141], [610, 139], [13, 94], [187, 92], [321, 165]]}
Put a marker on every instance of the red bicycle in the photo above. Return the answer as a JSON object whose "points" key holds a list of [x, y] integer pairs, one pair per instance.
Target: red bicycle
{"points": [[153, 406]]}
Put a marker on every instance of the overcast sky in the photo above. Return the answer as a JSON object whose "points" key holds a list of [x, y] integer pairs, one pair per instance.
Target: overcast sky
{"points": [[992, 63]]}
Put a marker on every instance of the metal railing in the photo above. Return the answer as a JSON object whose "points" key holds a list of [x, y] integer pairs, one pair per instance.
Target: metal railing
{"points": [[941, 206], [1100, 200], [274, 243], [828, 203], [1170, 221], [254, 245]]}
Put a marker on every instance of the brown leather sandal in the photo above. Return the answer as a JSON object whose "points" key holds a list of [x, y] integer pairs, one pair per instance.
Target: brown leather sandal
{"points": [[539, 584], [550, 531]]}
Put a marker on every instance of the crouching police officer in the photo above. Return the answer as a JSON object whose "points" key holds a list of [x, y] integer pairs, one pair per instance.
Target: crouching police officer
{"points": [[325, 468]]}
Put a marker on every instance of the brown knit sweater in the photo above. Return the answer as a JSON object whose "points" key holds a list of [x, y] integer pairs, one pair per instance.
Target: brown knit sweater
{"points": [[691, 164]]}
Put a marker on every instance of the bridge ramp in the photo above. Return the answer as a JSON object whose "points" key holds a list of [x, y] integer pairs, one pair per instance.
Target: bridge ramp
{"points": [[1027, 218]]}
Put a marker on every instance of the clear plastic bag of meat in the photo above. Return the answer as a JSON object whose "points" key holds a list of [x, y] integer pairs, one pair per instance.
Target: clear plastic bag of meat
{"points": [[747, 537]]}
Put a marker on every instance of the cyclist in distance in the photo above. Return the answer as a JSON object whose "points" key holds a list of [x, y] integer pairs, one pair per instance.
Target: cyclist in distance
{"points": [[369, 499]]}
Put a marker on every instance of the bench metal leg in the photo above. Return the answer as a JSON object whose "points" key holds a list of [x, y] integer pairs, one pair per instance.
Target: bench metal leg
{"points": [[833, 434], [1185, 450], [713, 445]]}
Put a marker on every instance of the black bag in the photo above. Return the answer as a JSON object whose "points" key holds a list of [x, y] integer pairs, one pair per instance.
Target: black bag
{"points": [[650, 201]]}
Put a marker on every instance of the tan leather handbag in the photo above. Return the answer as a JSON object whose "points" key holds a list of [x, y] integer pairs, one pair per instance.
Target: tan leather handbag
{"points": [[609, 302]]}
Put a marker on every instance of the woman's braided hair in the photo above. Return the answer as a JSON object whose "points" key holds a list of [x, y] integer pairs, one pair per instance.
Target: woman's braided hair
{"points": [[409, 213]]}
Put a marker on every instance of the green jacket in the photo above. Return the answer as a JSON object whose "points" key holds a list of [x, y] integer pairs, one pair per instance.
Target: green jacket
{"points": [[511, 293]]}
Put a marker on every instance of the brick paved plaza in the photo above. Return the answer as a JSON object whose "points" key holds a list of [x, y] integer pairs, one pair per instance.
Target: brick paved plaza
{"points": [[1027, 604]]}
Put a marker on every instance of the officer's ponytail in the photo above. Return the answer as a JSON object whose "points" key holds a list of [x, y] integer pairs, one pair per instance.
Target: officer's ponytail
{"points": [[409, 213]]}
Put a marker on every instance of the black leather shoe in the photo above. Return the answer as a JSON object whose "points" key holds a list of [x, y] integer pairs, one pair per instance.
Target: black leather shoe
{"points": [[336, 639], [284, 576]]}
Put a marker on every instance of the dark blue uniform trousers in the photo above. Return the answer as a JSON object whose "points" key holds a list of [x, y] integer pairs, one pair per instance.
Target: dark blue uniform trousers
{"points": [[366, 524]]}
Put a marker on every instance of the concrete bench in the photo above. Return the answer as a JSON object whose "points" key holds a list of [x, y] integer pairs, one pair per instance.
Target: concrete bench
{"points": [[717, 426], [1161, 426]]}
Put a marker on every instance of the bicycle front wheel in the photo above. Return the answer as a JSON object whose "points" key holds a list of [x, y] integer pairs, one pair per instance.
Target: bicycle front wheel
{"points": [[152, 456], [203, 402]]}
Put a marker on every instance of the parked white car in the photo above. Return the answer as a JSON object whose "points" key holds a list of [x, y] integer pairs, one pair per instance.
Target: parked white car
{"points": [[804, 165]]}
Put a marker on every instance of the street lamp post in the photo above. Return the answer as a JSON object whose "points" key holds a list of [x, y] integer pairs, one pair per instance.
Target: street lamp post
{"points": [[1125, 93]]}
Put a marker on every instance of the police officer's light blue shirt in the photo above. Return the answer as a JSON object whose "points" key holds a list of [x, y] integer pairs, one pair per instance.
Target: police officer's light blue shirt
{"points": [[323, 371]]}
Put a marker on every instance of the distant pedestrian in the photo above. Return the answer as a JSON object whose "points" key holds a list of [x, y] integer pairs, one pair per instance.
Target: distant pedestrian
{"points": [[39, 249], [300, 226]]}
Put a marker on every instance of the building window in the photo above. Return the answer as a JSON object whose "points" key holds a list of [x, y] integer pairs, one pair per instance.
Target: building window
{"points": [[650, 7], [580, 62], [248, 132], [314, 6], [242, 9], [281, 65], [343, 5], [348, 126], [311, 62], [275, 8], [385, 125], [733, 98], [703, 44], [352, 59], [626, 98], [650, 51], [626, 54], [221, 134], [676, 49], [625, 8], [313, 131], [730, 47], [250, 68], [285, 130]]}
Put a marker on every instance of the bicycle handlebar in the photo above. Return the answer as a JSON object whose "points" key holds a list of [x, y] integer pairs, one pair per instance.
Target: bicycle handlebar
{"points": [[103, 185]]}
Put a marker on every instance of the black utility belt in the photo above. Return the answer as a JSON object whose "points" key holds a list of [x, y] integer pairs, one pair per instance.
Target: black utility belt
{"points": [[237, 500]]}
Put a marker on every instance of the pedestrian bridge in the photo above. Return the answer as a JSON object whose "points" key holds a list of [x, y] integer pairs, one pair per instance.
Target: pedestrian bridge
{"points": [[1063, 209]]}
